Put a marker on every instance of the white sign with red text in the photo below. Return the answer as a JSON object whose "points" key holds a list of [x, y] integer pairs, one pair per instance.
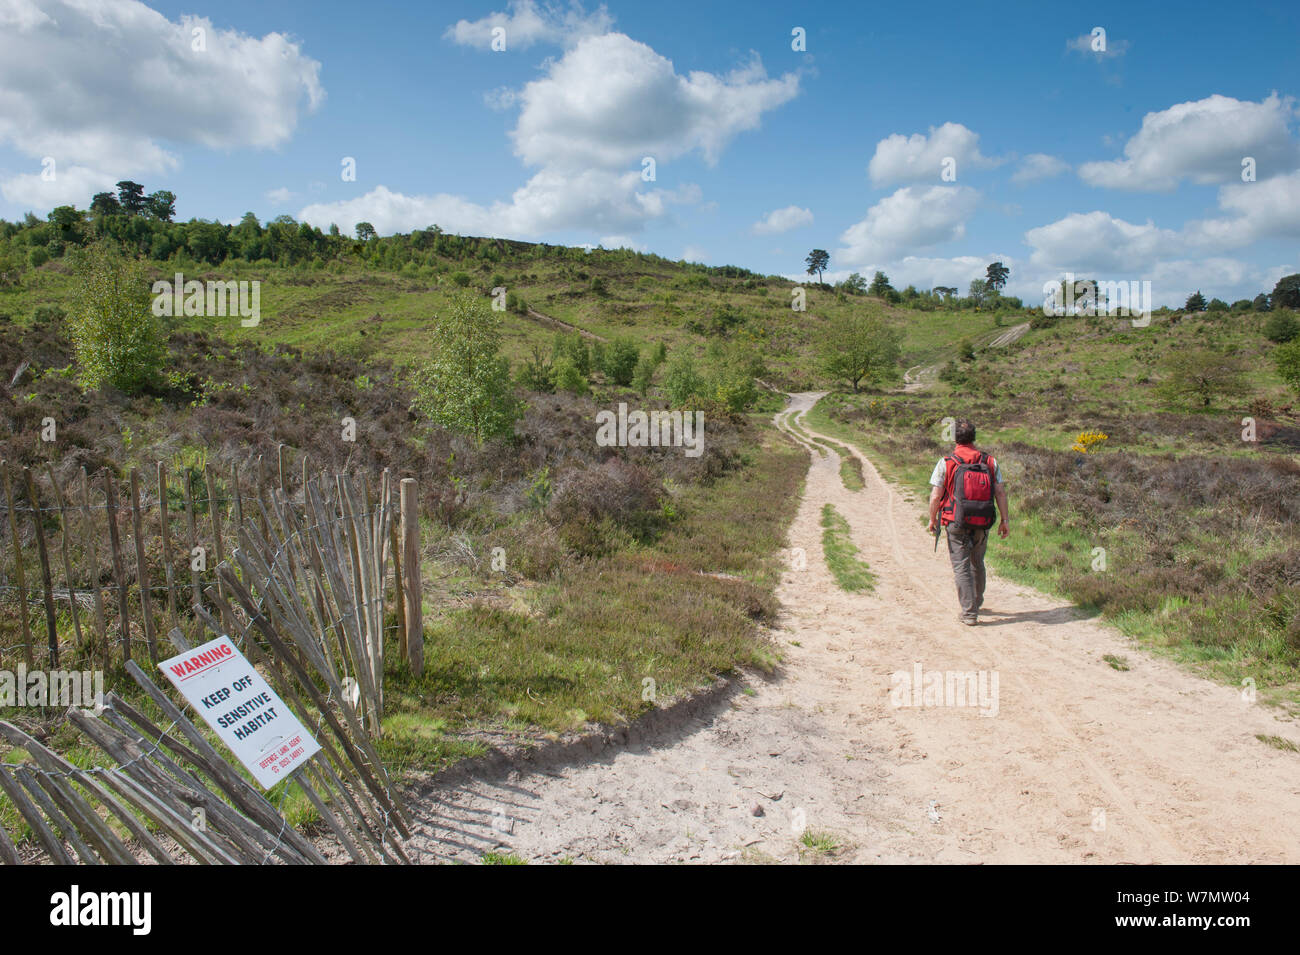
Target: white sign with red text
{"points": [[231, 696]]}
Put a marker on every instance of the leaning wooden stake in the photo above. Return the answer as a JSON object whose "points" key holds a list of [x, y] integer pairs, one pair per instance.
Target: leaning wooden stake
{"points": [[142, 567], [411, 576], [399, 604], [192, 525], [19, 576], [67, 560], [47, 579], [168, 570], [214, 512], [237, 497], [119, 575], [261, 486], [92, 555]]}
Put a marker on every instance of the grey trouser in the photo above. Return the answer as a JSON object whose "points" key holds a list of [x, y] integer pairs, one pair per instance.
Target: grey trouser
{"points": [[966, 550]]}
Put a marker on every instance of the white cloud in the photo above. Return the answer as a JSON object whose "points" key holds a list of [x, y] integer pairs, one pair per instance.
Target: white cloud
{"points": [[622, 242], [1268, 209], [65, 91], [1171, 280], [955, 272], [610, 101], [1202, 141], [1099, 242], [390, 212], [920, 157], [587, 123], [782, 220], [22, 15], [693, 253], [912, 218], [923, 272], [1084, 44], [530, 23], [280, 196], [594, 200], [1037, 166], [72, 185], [500, 99]]}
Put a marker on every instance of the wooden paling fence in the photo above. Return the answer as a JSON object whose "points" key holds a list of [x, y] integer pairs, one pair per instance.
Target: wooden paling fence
{"points": [[174, 797], [88, 559], [299, 585]]}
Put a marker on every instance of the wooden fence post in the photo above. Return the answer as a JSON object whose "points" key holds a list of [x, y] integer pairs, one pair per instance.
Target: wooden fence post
{"points": [[119, 575], [399, 605], [192, 524], [19, 575], [92, 557], [168, 571], [47, 579], [214, 512], [411, 576], [142, 568], [67, 561]]}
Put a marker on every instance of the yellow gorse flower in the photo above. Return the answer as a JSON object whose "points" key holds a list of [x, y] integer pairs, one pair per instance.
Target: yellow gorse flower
{"points": [[1088, 441]]}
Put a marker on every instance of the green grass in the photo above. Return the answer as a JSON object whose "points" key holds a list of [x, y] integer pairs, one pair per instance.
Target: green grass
{"points": [[851, 573], [1278, 742], [820, 843], [363, 310], [851, 475], [556, 656], [502, 858]]}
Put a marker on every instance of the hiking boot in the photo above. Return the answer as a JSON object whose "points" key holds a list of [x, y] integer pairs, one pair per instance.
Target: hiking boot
{"points": [[968, 621]]}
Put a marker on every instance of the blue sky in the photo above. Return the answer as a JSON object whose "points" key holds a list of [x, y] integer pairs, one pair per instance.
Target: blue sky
{"points": [[1119, 164]]}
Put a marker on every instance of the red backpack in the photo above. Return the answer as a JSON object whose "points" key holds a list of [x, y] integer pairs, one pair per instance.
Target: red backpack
{"points": [[968, 489]]}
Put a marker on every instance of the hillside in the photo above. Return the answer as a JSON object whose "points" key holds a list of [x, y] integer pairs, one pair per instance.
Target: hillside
{"points": [[340, 338]]}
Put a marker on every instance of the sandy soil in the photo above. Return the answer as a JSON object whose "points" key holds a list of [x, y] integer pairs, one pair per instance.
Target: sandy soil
{"points": [[1076, 762]]}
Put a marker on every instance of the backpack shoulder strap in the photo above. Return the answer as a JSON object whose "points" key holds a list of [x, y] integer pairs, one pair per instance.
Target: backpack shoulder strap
{"points": [[949, 474]]}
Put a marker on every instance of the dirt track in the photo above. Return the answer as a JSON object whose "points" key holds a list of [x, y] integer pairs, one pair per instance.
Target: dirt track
{"points": [[1080, 763]]}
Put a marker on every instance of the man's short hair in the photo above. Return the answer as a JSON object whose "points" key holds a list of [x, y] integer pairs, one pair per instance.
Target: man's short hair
{"points": [[965, 432]]}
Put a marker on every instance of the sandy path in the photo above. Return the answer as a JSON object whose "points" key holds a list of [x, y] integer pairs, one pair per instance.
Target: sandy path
{"points": [[919, 377], [1081, 763], [553, 322], [1013, 334]]}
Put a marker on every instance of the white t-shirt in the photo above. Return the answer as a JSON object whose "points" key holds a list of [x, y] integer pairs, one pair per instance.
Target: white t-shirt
{"points": [[941, 472]]}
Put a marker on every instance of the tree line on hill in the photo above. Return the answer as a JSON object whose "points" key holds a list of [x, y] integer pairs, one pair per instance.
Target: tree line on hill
{"points": [[142, 224], [986, 293]]}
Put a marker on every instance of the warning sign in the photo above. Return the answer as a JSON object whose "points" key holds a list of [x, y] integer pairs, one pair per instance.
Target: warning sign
{"points": [[218, 681]]}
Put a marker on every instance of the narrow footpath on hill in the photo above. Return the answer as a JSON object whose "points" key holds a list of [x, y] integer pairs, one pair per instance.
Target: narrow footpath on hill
{"points": [[1072, 761]]}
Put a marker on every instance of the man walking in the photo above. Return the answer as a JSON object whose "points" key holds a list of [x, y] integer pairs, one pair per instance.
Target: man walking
{"points": [[965, 486]]}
